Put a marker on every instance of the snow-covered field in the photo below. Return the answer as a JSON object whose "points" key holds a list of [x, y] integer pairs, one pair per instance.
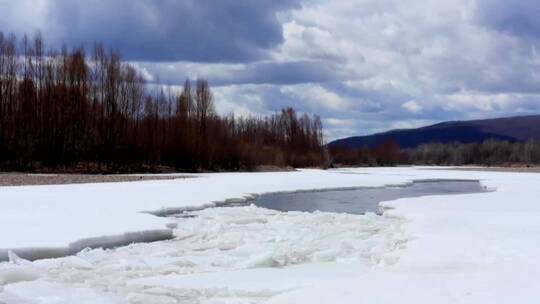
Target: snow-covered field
{"points": [[468, 248]]}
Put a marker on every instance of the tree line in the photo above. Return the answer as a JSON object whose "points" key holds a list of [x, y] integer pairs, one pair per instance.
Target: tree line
{"points": [[491, 152], [385, 154], [64, 109], [488, 153]]}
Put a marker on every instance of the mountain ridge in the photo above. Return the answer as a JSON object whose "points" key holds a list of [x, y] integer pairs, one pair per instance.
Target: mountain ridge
{"points": [[513, 129]]}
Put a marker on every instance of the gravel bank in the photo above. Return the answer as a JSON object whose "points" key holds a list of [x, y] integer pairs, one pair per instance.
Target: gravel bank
{"points": [[22, 179], [534, 169]]}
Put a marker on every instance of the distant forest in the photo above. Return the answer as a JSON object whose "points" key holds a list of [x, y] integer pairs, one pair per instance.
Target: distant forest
{"points": [[66, 110], [69, 111], [488, 153]]}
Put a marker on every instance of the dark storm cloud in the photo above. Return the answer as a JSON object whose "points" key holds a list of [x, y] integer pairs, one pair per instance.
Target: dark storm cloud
{"points": [[292, 73], [169, 30], [363, 65], [521, 17], [278, 73]]}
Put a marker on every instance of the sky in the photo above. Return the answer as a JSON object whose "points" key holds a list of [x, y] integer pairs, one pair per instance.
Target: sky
{"points": [[364, 66]]}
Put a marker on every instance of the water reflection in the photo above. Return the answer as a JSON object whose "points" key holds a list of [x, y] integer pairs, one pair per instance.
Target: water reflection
{"points": [[362, 200]]}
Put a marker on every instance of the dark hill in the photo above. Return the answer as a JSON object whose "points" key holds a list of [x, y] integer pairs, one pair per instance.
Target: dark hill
{"points": [[512, 129]]}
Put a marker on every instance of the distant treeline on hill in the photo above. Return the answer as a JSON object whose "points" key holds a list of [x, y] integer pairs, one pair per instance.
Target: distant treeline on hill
{"points": [[491, 152], [67, 110]]}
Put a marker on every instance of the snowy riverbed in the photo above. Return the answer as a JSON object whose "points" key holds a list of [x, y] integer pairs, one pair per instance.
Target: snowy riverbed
{"points": [[440, 249], [220, 254]]}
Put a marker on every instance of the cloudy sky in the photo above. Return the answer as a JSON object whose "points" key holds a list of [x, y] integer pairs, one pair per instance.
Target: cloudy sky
{"points": [[363, 65]]}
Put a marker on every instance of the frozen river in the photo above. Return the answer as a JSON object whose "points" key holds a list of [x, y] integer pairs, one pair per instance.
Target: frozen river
{"points": [[441, 247], [362, 200], [218, 255]]}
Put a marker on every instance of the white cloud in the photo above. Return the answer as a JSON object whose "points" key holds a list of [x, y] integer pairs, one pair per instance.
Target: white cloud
{"points": [[412, 106], [316, 96], [371, 65]]}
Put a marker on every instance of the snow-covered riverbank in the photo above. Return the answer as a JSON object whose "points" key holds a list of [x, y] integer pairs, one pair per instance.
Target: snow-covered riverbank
{"points": [[41, 221], [443, 249], [474, 248], [56, 217]]}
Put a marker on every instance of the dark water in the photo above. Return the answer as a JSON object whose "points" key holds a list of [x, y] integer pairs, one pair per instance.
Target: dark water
{"points": [[360, 201]]}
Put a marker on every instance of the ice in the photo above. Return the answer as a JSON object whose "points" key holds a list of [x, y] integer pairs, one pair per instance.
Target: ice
{"points": [[474, 248], [227, 253], [18, 274], [49, 221], [260, 282], [53, 293], [467, 248]]}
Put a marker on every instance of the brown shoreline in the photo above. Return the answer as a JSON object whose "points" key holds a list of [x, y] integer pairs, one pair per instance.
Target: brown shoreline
{"points": [[532, 169], [24, 179]]}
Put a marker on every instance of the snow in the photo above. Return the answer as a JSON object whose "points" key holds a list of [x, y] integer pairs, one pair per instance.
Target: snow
{"points": [[53, 293], [477, 248], [467, 248], [221, 253], [54, 217], [247, 282]]}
